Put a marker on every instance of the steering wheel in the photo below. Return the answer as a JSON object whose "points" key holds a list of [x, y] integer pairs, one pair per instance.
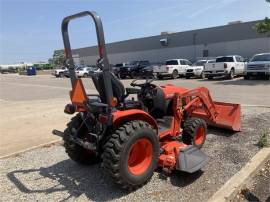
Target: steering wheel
{"points": [[147, 83]]}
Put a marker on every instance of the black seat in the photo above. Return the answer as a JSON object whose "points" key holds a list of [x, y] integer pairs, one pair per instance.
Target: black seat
{"points": [[117, 87], [160, 106]]}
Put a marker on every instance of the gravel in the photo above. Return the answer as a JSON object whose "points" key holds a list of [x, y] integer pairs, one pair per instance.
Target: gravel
{"points": [[47, 174]]}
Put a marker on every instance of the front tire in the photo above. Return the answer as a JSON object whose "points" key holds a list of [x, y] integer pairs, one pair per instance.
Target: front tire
{"points": [[122, 76], [194, 132], [202, 75], [131, 154], [61, 75], [75, 151], [246, 77]]}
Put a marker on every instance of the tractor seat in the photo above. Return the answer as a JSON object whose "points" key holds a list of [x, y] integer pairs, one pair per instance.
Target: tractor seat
{"points": [[117, 87]]}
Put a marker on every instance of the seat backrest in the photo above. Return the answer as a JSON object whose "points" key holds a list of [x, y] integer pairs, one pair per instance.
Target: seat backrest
{"points": [[160, 104], [117, 87]]}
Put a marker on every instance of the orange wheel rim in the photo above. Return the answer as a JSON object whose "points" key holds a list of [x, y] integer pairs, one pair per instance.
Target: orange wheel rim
{"points": [[140, 156], [199, 136]]}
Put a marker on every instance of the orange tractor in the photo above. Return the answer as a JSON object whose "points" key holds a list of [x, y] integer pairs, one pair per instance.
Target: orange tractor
{"points": [[165, 127]]}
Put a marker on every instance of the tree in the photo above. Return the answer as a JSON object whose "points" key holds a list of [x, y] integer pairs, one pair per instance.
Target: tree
{"points": [[264, 26], [58, 58]]}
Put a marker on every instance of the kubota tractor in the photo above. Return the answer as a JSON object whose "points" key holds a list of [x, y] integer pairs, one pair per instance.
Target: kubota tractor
{"points": [[165, 127]]}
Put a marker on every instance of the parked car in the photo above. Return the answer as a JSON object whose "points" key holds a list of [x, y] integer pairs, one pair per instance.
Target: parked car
{"points": [[173, 68], [259, 65], [133, 69], [147, 72], [116, 68], [196, 70], [59, 72], [84, 71], [228, 66]]}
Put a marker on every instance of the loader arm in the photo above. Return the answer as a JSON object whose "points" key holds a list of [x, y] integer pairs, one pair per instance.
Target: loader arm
{"points": [[203, 99], [220, 114]]}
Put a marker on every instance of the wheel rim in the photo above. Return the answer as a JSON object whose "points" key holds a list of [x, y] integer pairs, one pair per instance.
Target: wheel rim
{"points": [[200, 135], [175, 74], [140, 156], [232, 73]]}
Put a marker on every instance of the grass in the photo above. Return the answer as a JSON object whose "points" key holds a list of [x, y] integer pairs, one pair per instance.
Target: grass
{"points": [[264, 140]]}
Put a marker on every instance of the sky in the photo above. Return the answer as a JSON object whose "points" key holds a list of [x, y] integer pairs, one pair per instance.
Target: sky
{"points": [[30, 29]]}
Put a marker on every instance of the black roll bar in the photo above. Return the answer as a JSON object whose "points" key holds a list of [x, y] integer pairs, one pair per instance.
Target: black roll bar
{"points": [[103, 59]]}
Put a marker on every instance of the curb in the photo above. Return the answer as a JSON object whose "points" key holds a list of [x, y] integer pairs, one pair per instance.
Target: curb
{"points": [[236, 182], [31, 148]]}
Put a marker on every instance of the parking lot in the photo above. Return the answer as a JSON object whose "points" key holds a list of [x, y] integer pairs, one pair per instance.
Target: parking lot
{"points": [[32, 106]]}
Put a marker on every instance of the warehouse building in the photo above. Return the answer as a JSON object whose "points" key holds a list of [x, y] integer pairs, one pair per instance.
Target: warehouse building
{"points": [[235, 38]]}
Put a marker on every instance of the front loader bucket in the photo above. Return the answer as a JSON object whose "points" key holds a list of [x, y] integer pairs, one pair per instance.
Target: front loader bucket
{"points": [[228, 116]]}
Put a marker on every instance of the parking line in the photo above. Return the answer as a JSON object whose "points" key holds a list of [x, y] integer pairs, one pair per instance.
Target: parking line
{"points": [[36, 85]]}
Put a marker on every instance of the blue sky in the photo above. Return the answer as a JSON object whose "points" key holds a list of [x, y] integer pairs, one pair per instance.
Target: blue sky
{"points": [[30, 29]]}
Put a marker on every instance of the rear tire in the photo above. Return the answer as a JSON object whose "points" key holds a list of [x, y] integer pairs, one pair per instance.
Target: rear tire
{"points": [[175, 74], [246, 77], [231, 74], [75, 151], [194, 132], [131, 154]]}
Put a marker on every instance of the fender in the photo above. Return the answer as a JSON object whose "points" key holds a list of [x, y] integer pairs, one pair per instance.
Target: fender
{"points": [[133, 114]]}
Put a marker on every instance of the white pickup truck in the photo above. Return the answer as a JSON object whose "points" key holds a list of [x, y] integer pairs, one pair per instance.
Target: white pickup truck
{"points": [[172, 68], [228, 66], [59, 72]]}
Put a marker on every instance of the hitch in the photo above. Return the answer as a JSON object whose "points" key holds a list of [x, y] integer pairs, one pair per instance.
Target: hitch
{"points": [[58, 133], [84, 144]]}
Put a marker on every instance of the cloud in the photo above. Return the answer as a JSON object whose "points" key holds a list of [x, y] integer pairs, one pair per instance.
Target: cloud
{"points": [[140, 15], [217, 5]]}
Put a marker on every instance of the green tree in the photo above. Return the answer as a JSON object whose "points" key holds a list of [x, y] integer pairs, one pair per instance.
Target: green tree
{"points": [[58, 57], [264, 26]]}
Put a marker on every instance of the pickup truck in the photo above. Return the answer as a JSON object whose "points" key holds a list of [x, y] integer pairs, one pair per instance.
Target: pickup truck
{"points": [[116, 68], [172, 68], [59, 72], [132, 69], [259, 65], [196, 70], [228, 66]]}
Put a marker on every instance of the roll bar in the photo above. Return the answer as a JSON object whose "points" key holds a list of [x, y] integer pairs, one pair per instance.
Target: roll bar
{"points": [[103, 61]]}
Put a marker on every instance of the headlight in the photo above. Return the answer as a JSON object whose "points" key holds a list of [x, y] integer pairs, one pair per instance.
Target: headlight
{"points": [[128, 69]]}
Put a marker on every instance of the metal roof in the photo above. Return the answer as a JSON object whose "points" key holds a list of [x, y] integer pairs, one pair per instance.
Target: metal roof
{"points": [[232, 32]]}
